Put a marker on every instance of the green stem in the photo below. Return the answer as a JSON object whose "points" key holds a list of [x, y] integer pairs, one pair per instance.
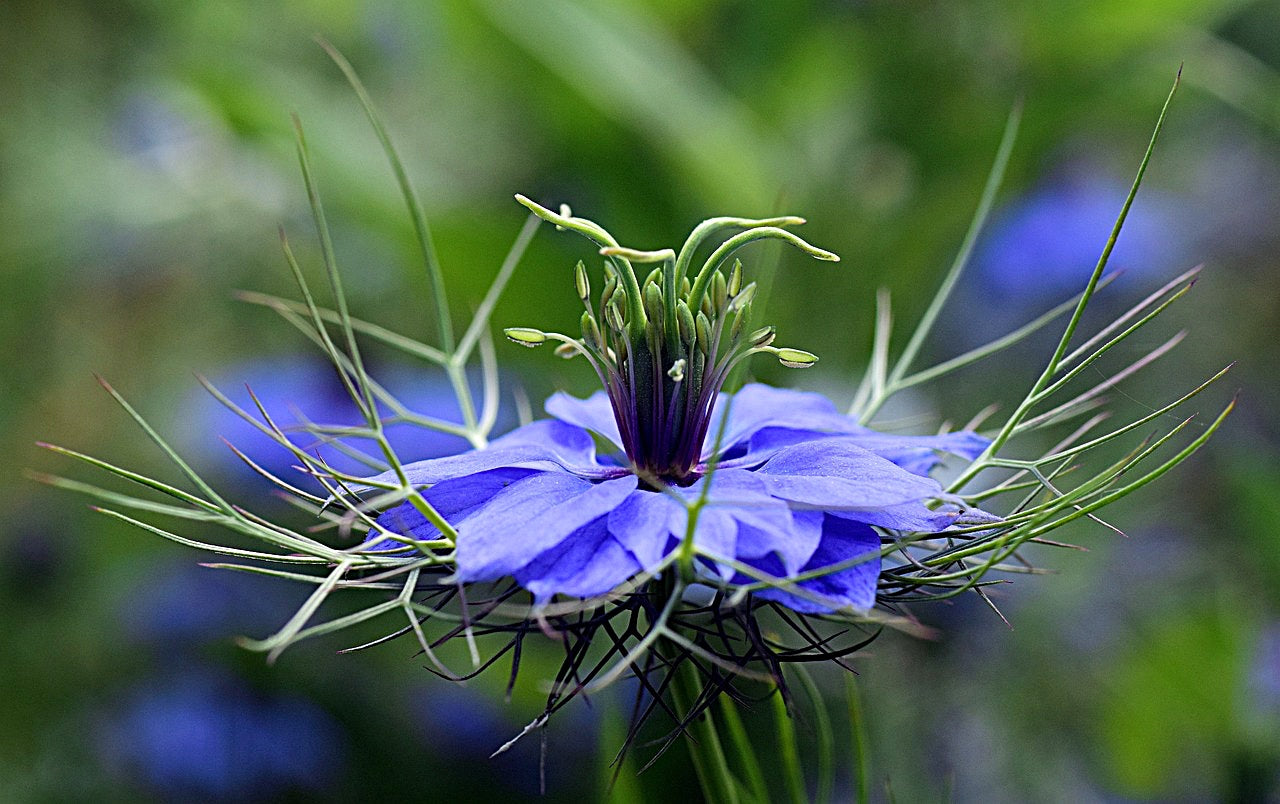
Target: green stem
{"points": [[618, 784], [703, 741], [826, 740], [742, 746], [788, 751], [858, 732]]}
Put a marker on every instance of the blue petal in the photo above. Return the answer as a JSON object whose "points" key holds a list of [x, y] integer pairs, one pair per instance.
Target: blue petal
{"points": [[919, 454], [793, 546], [854, 587], [741, 521], [764, 444], [834, 474], [763, 524], [589, 562], [453, 499], [529, 517], [652, 524], [717, 537], [594, 413], [909, 516], [757, 406], [547, 445], [917, 517], [764, 420], [645, 524]]}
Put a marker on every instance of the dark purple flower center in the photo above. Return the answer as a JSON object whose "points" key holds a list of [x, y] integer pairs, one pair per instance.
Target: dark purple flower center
{"points": [[663, 348], [663, 394], [663, 378]]}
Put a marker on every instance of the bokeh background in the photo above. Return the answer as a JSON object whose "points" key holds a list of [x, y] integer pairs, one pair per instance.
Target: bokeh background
{"points": [[146, 160]]}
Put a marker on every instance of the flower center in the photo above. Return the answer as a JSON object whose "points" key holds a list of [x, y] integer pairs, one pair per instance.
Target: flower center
{"points": [[663, 378], [663, 348]]}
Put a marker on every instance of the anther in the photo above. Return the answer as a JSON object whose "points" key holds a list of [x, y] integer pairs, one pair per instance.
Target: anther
{"points": [[581, 281], [525, 336], [684, 318], [762, 337], [703, 327], [735, 278], [590, 331], [795, 358], [719, 291]]}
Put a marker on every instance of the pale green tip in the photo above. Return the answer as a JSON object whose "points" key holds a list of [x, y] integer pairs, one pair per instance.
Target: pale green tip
{"points": [[525, 336], [795, 358], [543, 212]]}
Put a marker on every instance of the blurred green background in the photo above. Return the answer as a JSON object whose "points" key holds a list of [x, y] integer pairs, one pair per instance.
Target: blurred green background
{"points": [[146, 160]]}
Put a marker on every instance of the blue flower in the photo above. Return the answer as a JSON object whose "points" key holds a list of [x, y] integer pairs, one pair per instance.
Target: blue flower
{"points": [[794, 487], [782, 487]]}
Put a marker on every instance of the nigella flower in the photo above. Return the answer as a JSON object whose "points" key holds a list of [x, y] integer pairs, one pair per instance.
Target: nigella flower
{"points": [[762, 485], [689, 519]]}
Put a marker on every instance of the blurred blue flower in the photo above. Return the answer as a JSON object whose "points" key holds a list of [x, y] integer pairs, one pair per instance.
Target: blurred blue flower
{"points": [[473, 724], [190, 730], [1264, 671], [1043, 246], [797, 486], [33, 559], [467, 721], [205, 735], [185, 605], [291, 386], [150, 127]]}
